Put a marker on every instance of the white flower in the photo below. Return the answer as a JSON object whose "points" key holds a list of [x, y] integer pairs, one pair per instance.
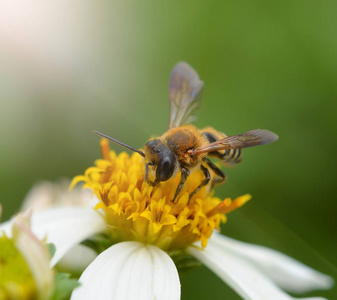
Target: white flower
{"points": [[21, 250], [132, 270], [135, 270]]}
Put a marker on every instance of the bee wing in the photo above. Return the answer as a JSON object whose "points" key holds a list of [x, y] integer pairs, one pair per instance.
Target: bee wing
{"points": [[248, 139], [185, 89]]}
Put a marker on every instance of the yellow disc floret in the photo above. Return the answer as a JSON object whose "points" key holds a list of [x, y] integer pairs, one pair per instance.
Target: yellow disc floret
{"points": [[16, 280], [139, 212]]}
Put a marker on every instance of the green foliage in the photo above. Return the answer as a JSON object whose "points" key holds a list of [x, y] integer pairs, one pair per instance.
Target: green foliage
{"points": [[184, 262], [64, 285], [51, 248], [98, 243]]}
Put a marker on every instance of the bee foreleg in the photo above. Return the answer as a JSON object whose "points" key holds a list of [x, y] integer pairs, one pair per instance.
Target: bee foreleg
{"points": [[203, 183], [184, 174], [221, 175], [153, 183]]}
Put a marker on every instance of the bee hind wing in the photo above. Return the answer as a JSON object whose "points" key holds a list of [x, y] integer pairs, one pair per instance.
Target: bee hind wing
{"points": [[185, 89], [248, 139]]}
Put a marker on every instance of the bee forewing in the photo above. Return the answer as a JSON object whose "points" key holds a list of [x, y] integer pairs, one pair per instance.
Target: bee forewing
{"points": [[185, 89], [248, 139]]}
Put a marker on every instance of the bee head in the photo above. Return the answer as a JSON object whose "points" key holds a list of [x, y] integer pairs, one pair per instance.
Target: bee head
{"points": [[162, 160]]}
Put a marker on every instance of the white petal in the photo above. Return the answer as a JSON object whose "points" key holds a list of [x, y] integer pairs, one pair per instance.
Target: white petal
{"points": [[66, 226], [285, 271], [46, 194], [35, 255], [130, 270], [249, 282]]}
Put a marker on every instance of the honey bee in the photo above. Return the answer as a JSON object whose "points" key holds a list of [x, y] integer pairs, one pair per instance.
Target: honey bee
{"points": [[185, 148]]}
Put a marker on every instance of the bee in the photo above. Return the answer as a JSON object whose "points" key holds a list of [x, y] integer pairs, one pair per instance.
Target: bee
{"points": [[185, 148]]}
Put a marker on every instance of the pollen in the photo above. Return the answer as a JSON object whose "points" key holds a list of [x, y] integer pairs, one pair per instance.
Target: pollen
{"points": [[136, 211]]}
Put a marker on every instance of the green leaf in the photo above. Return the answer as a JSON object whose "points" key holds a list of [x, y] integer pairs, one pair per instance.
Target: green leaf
{"points": [[98, 243], [51, 248], [64, 285], [183, 261]]}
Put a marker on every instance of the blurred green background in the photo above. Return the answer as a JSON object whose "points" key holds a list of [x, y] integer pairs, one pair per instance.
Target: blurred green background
{"points": [[68, 67]]}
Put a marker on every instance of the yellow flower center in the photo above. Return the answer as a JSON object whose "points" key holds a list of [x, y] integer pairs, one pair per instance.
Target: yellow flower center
{"points": [[16, 280], [139, 212]]}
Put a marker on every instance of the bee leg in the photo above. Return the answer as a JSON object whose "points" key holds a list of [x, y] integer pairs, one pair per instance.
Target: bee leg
{"points": [[221, 175], [152, 183], [203, 183], [184, 175]]}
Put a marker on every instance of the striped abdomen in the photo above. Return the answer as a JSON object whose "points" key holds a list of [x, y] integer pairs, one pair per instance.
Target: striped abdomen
{"points": [[229, 157]]}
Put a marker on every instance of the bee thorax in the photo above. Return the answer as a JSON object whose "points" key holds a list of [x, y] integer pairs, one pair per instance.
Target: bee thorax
{"points": [[183, 141]]}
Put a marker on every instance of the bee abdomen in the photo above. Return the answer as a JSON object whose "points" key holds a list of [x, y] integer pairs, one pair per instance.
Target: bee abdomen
{"points": [[232, 156], [229, 157]]}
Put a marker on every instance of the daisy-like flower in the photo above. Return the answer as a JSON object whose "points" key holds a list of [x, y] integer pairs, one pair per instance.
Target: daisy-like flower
{"points": [[139, 212], [147, 230], [139, 234], [24, 264]]}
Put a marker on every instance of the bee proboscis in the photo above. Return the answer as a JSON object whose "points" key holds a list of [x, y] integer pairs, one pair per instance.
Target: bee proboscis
{"points": [[184, 147]]}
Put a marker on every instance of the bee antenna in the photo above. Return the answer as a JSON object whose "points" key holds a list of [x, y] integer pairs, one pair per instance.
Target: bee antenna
{"points": [[120, 143]]}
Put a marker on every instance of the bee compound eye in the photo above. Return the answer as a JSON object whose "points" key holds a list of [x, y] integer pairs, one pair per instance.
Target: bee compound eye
{"points": [[165, 168]]}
